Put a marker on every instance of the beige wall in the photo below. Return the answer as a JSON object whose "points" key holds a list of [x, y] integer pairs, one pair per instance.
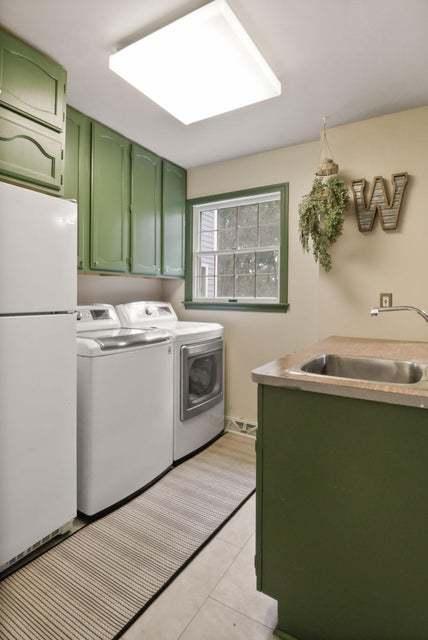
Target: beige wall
{"points": [[117, 289], [367, 264], [364, 265]]}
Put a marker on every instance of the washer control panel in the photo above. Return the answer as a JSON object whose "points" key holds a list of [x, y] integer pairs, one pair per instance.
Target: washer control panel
{"points": [[96, 316], [139, 313]]}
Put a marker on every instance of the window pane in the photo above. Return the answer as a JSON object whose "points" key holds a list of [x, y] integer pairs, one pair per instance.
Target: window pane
{"points": [[225, 264], [206, 266], [245, 286], [267, 262], [269, 212], [247, 215], [267, 286], [227, 239], [208, 220], [208, 241], [226, 218], [269, 235], [245, 263], [204, 287], [247, 237], [225, 286]]}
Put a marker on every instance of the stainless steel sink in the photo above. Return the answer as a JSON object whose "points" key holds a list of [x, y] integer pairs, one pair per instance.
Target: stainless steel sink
{"points": [[371, 369]]}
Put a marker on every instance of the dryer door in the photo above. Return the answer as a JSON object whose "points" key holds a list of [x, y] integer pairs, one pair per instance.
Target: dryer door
{"points": [[201, 377]]}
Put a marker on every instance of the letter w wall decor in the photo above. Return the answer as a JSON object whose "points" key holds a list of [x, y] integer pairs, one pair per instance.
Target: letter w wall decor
{"points": [[378, 202]]}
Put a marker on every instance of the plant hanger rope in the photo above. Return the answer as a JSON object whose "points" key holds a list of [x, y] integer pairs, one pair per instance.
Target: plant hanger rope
{"points": [[327, 166], [321, 212], [324, 144]]}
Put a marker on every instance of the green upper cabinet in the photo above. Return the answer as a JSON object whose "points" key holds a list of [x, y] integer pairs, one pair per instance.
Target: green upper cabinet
{"points": [[146, 211], [32, 104], [77, 177], [31, 83], [174, 208], [30, 154], [110, 200]]}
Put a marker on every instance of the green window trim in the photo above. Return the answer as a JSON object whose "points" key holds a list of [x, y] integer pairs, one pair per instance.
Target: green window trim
{"points": [[277, 307]]}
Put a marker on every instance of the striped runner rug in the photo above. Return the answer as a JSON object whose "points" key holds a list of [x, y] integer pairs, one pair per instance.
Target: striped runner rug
{"points": [[95, 583]]}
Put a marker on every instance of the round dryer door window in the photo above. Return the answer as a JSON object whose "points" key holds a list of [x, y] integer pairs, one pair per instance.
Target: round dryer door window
{"points": [[201, 376]]}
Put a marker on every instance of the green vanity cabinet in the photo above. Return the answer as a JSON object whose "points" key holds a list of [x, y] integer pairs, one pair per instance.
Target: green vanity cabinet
{"points": [[31, 83], [342, 516], [30, 154], [77, 177], [174, 208], [110, 200], [146, 211]]}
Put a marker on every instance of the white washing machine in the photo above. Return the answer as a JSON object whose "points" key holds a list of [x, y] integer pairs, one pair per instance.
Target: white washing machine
{"points": [[124, 408], [198, 372]]}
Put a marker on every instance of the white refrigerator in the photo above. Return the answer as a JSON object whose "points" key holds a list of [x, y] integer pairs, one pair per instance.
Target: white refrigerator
{"points": [[38, 297]]}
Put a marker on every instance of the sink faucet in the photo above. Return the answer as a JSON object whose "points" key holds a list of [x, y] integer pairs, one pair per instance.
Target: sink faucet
{"points": [[423, 314]]}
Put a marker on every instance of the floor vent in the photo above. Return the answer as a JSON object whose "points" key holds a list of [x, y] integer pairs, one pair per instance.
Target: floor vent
{"points": [[240, 426], [33, 547]]}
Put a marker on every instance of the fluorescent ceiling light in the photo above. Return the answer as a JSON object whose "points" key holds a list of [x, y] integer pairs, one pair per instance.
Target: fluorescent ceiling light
{"points": [[199, 66]]}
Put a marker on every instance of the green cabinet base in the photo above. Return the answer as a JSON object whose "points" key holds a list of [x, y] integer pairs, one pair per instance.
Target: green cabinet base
{"points": [[342, 513], [282, 635]]}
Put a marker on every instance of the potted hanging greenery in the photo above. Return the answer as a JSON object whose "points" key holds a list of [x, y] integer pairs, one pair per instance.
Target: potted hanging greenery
{"points": [[322, 211]]}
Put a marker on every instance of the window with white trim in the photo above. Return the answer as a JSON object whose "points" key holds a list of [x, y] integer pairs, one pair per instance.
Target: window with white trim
{"points": [[237, 250]]}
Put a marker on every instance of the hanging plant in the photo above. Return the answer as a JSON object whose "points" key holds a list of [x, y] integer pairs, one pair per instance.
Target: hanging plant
{"points": [[321, 217], [322, 211]]}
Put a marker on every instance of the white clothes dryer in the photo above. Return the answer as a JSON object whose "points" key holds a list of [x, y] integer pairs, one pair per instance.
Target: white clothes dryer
{"points": [[198, 372]]}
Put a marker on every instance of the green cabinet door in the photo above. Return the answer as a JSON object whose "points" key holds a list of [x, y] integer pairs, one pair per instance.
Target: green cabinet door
{"points": [[146, 200], [342, 498], [174, 208], [110, 200], [31, 83], [77, 177], [30, 154]]}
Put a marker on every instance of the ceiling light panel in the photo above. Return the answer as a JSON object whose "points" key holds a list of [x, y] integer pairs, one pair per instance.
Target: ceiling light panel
{"points": [[199, 66]]}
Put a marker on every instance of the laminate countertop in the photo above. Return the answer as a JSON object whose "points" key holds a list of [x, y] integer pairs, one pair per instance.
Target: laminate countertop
{"points": [[282, 372]]}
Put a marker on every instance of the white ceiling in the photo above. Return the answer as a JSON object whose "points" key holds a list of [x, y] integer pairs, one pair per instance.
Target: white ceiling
{"points": [[348, 59]]}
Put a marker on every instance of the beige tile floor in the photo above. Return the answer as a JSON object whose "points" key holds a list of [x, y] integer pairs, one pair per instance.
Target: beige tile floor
{"points": [[215, 597]]}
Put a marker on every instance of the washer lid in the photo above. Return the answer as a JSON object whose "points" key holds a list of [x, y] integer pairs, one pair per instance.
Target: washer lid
{"points": [[116, 339]]}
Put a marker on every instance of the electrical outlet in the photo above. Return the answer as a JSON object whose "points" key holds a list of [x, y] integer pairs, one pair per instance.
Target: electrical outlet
{"points": [[385, 300]]}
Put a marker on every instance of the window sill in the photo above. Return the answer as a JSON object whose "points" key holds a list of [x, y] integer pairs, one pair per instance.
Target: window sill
{"points": [[272, 307]]}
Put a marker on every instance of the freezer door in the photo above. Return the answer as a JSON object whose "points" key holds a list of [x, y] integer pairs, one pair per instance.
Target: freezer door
{"points": [[37, 429], [38, 270]]}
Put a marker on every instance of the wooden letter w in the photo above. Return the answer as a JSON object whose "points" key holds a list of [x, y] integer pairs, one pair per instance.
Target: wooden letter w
{"points": [[378, 202]]}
